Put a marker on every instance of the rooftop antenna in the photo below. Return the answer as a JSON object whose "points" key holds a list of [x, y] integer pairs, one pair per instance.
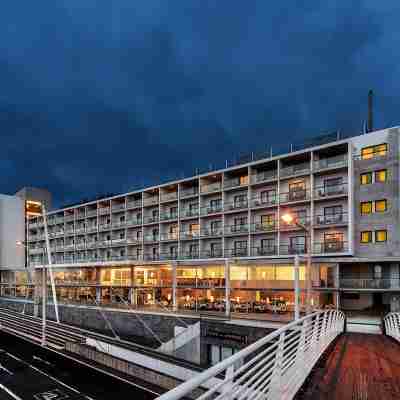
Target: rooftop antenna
{"points": [[370, 125]]}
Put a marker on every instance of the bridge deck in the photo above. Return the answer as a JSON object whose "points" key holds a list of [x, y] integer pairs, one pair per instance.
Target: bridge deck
{"points": [[360, 367]]}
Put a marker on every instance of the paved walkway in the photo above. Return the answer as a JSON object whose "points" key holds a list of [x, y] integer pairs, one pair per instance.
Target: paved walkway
{"points": [[360, 367]]}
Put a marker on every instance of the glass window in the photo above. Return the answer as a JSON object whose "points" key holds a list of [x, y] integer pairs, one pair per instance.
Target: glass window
{"points": [[381, 175], [381, 236], [243, 180], [367, 152], [381, 149], [374, 151], [380, 205], [267, 220], [366, 207], [268, 196], [366, 237], [366, 178]]}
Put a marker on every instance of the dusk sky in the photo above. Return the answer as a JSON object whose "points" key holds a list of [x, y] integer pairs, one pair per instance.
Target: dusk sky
{"points": [[106, 96]]}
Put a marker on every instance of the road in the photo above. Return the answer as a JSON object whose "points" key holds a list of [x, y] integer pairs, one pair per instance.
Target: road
{"points": [[29, 372]]}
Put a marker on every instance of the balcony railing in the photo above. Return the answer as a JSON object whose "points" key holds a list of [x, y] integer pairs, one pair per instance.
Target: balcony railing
{"points": [[369, 283], [237, 229], [168, 255], [69, 218], [216, 253], [189, 192], [104, 227], [236, 205], [236, 182], [189, 235], [133, 222], [334, 246], [134, 204], [264, 176], [263, 227], [288, 249], [118, 207], [151, 238], [80, 245], [331, 162], [331, 190], [169, 236], [189, 255], [151, 220], [331, 219], [91, 228], [302, 220], [264, 251], [80, 215], [169, 196], [297, 169], [91, 213], [242, 252], [104, 210], [118, 224], [168, 216], [152, 257], [212, 187], [194, 212], [264, 202], [294, 195], [150, 201], [134, 240], [211, 209], [205, 232]]}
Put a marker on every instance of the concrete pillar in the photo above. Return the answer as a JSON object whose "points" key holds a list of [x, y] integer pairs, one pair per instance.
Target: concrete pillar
{"points": [[37, 291], [174, 284], [394, 276], [98, 283], [227, 289]]}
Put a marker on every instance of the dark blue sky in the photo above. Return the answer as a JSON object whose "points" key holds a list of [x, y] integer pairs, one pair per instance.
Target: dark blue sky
{"points": [[104, 96]]}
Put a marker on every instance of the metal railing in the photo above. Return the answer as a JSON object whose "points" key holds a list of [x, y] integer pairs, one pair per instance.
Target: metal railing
{"points": [[235, 182], [264, 176], [331, 190], [169, 196], [294, 195], [369, 283], [212, 187], [274, 367], [331, 219], [259, 201], [331, 162], [236, 205], [392, 325], [296, 169]]}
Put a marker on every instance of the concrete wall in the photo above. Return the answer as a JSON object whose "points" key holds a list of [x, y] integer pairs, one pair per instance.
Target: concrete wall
{"points": [[36, 194], [12, 230]]}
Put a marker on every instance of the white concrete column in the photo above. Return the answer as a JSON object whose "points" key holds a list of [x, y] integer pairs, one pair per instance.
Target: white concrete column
{"points": [[227, 288], [174, 284], [394, 276], [296, 287]]}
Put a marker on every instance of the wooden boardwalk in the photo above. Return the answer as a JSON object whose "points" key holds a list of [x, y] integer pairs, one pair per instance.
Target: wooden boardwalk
{"points": [[359, 367]]}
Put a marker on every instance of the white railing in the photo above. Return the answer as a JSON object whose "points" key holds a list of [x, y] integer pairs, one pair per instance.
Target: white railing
{"points": [[392, 325], [272, 368]]}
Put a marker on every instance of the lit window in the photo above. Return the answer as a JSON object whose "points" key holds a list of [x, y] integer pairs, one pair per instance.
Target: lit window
{"points": [[366, 178], [366, 237], [366, 207], [244, 180], [381, 175], [374, 151], [381, 236], [367, 153], [381, 149], [380, 205]]}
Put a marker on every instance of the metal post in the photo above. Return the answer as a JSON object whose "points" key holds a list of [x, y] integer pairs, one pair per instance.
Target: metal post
{"points": [[174, 305], [44, 305], [49, 262], [227, 289], [296, 287], [308, 273]]}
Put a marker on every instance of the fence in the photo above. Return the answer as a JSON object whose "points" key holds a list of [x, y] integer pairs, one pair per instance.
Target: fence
{"points": [[392, 325], [272, 368]]}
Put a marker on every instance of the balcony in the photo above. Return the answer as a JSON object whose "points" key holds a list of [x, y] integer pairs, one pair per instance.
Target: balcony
{"points": [[298, 220], [189, 212], [134, 257], [264, 251], [236, 182], [118, 241], [339, 161], [118, 224], [69, 246], [189, 255], [80, 229], [134, 204], [236, 205], [265, 176], [36, 250], [332, 219], [208, 232], [211, 209], [168, 216], [212, 187], [291, 249], [242, 252], [118, 207], [334, 246], [104, 210], [294, 196], [151, 220], [103, 243], [149, 201], [134, 240], [80, 215], [216, 253], [296, 169], [169, 197], [80, 245], [69, 218], [189, 235], [169, 236], [91, 228], [133, 222], [189, 192], [152, 257], [369, 283], [169, 256], [104, 227], [69, 232], [263, 227], [331, 191], [151, 238], [91, 213], [91, 244], [264, 202], [237, 229]]}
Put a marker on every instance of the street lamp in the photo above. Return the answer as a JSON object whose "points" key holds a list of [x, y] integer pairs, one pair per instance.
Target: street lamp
{"points": [[291, 219]]}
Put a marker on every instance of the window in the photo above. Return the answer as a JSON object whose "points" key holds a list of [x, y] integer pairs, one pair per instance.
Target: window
{"points": [[173, 212], [377, 272], [194, 229], [215, 204], [267, 220], [267, 243], [381, 236], [240, 248], [366, 207], [268, 197], [380, 205], [243, 180], [366, 178], [333, 185], [381, 175], [240, 200], [216, 226], [374, 151], [366, 237], [297, 244], [216, 249]]}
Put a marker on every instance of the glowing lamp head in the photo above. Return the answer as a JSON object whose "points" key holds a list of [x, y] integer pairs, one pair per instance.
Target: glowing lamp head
{"points": [[287, 218]]}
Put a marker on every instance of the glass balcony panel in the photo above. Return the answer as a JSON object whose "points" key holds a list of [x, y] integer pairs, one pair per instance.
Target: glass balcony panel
{"points": [[331, 162]]}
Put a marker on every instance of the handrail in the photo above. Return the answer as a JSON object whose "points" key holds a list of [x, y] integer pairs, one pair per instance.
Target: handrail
{"points": [[279, 364], [392, 325]]}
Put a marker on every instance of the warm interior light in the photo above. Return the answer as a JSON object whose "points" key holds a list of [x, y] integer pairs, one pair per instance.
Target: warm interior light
{"points": [[169, 297], [19, 243], [212, 299], [35, 203], [187, 297], [288, 218], [148, 296]]}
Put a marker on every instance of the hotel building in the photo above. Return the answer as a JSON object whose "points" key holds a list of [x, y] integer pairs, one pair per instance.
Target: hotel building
{"points": [[218, 238]]}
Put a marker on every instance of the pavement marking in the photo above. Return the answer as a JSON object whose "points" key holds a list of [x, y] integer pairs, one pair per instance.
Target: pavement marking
{"points": [[45, 374], [55, 394], [3, 368], [8, 391]]}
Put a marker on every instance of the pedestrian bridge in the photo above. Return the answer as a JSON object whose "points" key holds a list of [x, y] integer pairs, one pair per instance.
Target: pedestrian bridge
{"points": [[310, 358]]}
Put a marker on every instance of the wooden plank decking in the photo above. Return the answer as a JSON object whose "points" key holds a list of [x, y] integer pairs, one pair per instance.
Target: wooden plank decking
{"points": [[359, 367]]}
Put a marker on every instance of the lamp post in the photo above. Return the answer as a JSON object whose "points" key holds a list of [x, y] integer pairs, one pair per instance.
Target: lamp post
{"points": [[290, 219]]}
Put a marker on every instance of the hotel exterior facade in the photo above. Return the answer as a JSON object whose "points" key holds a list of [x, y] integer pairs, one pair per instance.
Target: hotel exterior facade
{"points": [[217, 241]]}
